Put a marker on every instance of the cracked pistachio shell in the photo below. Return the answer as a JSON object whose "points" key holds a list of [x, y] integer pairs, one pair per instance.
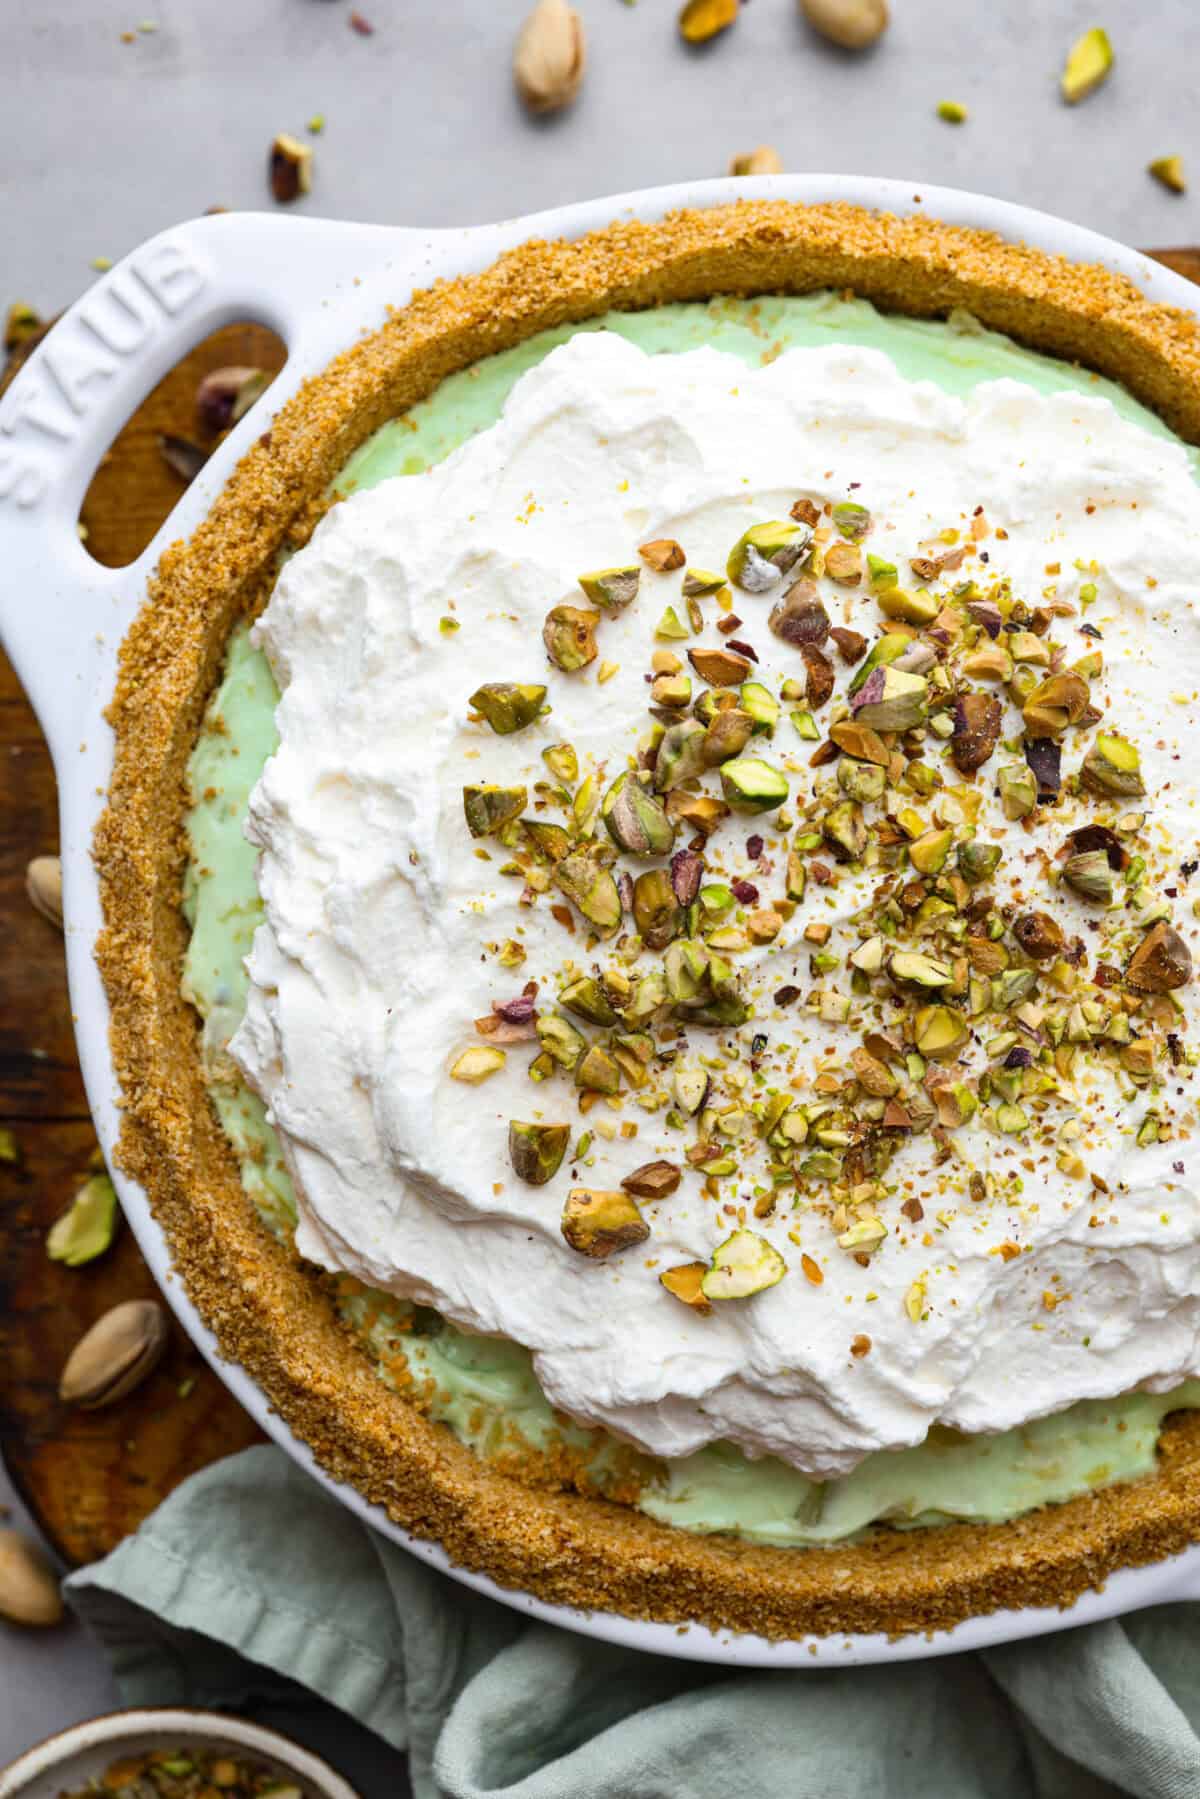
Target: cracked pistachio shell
{"points": [[569, 635], [656, 911], [536, 1150], [763, 554], [586, 879], [29, 1592], [751, 785], [680, 754], [115, 1355], [636, 820], [741, 1266], [612, 589], [597, 1222], [685, 1282], [87, 1227], [488, 809], [509, 706]]}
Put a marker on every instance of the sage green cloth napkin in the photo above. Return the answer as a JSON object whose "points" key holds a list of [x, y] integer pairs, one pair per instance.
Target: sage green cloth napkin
{"points": [[250, 1575]]}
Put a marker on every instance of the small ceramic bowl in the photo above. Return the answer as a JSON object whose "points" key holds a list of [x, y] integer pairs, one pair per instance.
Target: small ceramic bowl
{"points": [[68, 1761]]}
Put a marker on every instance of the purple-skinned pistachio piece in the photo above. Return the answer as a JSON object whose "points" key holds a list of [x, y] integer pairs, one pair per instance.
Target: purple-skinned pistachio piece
{"points": [[1044, 758], [687, 871]]}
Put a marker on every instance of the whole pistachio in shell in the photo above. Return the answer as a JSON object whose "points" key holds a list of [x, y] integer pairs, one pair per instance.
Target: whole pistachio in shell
{"points": [[852, 24], [115, 1355], [28, 1589], [550, 56]]}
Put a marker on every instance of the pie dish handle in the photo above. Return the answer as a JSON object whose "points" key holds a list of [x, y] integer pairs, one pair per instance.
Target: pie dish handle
{"points": [[62, 614]]}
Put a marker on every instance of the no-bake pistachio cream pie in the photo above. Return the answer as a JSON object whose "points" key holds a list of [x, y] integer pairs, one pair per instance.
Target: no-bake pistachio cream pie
{"points": [[651, 902]]}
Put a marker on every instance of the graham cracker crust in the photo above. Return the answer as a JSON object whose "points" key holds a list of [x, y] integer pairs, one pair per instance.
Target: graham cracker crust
{"points": [[272, 1314]]}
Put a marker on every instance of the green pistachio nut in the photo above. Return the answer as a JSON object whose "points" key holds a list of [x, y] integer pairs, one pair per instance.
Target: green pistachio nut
{"points": [[87, 1227], [1090, 876], [888, 649], [909, 968], [656, 911], [763, 554], [929, 853], [1112, 766], [699, 582], [881, 573], [588, 999], [598, 1223], [977, 860], [488, 809], [586, 879], [597, 1070], [939, 1033], [559, 1039], [1089, 62], [612, 589], [536, 1150], [509, 706], [845, 831], [891, 700], [743, 1265], [1018, 790], [861, 781], [727, 736], [563, 763], [751, 785], [569, 635], [760, 706], [680, 754], [636, 820], [851, 519], [912, 608]]}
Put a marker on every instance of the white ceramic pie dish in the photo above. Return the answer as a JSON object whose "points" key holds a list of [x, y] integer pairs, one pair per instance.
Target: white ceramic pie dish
{"points": [[320, 285]]}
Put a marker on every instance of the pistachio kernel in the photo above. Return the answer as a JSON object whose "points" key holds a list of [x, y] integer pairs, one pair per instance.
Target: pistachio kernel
{"points": [[612, 589], [1089, 63], [569, 635], [751, 785], [1112, 766], [636, 820], [763, 554], [477, 1064], [744, 1264], [509, 706], [1090, 875], [684, 1282], [488, 809], [1161, 962], [86, 1229], [662, 555], [598, 1222], [653, 1180]]}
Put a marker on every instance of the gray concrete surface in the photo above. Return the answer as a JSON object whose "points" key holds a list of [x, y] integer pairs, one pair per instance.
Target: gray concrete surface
{"points": [[104, 142]]}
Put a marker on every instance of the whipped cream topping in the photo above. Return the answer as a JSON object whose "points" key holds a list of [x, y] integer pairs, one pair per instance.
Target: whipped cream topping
{"points": [[384, 925]]}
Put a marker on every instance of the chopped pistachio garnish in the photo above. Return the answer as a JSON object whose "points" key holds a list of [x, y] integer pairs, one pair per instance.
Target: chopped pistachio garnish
{"points": [[488, 809], [509, 706], [744, 1264], [1169, 171], [670, 625], [751, 785], [569, 635], [1089, 63], [685, 1282], [536, 1150], [86, 1229], [612, 589], [952, 112], [477, 1064], [763, 554], [598, 1223]]}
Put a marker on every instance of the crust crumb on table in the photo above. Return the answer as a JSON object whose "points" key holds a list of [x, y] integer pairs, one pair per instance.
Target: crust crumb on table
{"points": [[269, 1311]]}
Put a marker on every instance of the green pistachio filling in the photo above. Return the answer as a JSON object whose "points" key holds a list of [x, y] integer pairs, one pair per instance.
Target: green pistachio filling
{"points": [[485, 1389]]}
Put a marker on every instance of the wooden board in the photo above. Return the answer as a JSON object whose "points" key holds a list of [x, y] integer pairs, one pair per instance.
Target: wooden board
{"points": [[90, 1478]]}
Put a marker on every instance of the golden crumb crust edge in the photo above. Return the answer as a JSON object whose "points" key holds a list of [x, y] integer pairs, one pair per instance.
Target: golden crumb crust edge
{"points": [[271, 1314]]}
